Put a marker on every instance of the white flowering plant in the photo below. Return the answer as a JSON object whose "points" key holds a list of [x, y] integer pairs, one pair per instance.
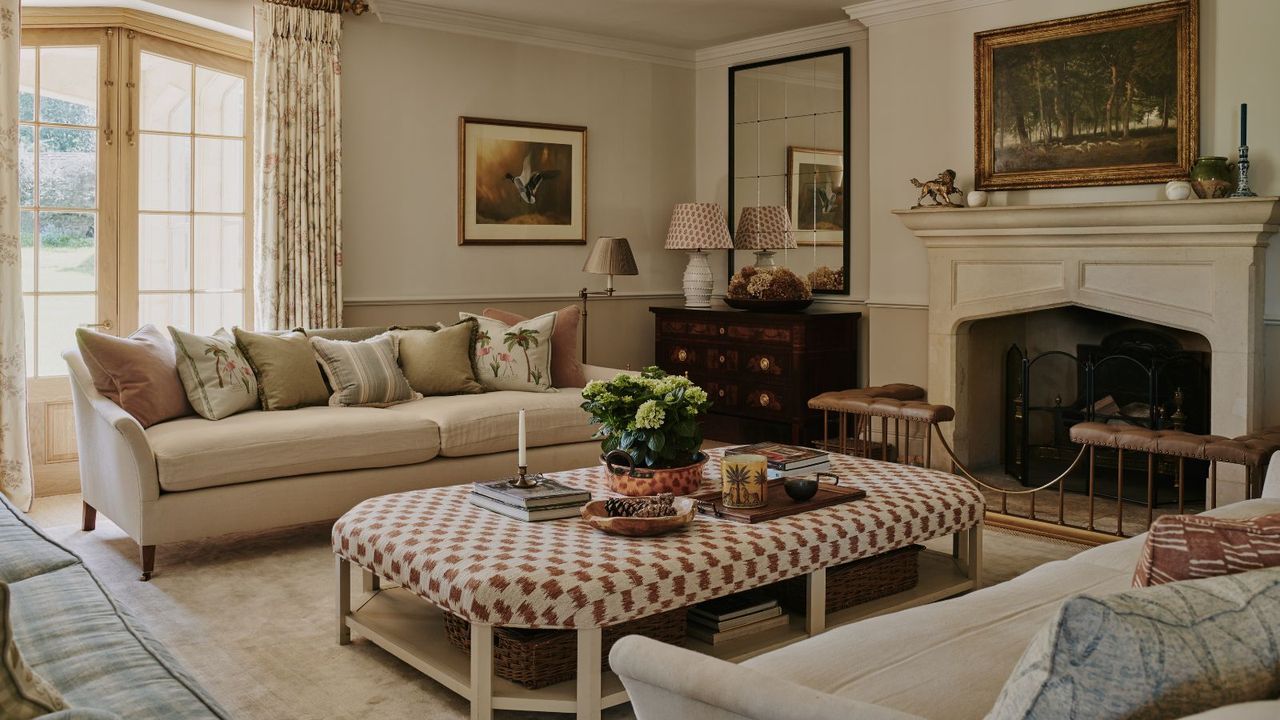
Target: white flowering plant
{"points": [[653, 417]]}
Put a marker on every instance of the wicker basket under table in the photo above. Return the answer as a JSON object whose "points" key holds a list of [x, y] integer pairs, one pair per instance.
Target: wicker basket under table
{"points": [[860, 581], [538, 658]]}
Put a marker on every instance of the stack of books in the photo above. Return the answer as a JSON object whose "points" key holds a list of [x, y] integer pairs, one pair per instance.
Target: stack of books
{"points": [[735, 616], [787, 460], [548, 501]]}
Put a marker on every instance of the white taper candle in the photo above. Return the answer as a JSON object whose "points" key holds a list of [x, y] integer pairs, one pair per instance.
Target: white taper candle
{"points": [[520, 459]]}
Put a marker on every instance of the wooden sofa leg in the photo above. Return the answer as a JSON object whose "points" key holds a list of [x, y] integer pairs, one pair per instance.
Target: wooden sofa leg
{"points": [[88, 517], [148, 561]]}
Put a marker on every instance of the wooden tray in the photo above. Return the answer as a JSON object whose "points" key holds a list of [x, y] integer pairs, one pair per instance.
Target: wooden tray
{"points": [[779, 503]]}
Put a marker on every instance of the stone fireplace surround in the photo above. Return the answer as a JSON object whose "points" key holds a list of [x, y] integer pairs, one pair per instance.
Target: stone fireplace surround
{"points": [[1195, 265]]}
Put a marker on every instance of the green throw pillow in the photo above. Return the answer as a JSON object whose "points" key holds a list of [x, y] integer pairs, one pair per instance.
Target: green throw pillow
{"points": [[514, 357], [288, 376], [215, 374], [363, 373], [23, 693], [438, 362]]}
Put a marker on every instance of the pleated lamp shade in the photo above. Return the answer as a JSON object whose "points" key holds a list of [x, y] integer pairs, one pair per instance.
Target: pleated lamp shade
{"points": [[765, 227], [611, 256], [698, 226]]}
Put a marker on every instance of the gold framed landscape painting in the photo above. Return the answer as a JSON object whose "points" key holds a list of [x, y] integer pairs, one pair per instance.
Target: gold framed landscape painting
{"points": [[1110, 98], [815, 195], [521, 183]]}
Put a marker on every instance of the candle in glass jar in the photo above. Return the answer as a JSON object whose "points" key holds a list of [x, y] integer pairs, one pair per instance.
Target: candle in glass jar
{"points": [[520, 459], [1244, 123]]}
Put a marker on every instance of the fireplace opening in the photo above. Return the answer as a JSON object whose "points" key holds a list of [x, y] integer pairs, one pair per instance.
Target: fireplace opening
{"points": [[1034, 375]]}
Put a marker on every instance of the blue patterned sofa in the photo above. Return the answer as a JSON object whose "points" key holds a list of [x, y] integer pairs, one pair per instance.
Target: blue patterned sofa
{"points": [[77, 637]]}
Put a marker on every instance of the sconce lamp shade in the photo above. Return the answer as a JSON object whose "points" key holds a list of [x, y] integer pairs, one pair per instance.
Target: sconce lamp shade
{"points": [[611, 256], [764, 228], [698, 226]]}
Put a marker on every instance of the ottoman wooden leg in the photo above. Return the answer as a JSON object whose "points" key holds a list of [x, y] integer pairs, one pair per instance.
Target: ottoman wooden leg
{"points": [[88, 517], [589, 659], [370, 581], [344, 600], [148, 561], [482, 671]]}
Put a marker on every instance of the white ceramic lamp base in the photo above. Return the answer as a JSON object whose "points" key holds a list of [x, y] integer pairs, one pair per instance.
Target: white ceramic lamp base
{"points": [[698, 281]]}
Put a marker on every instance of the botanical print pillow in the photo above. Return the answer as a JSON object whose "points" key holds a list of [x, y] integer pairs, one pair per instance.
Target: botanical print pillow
{"points": [[215, 374], [364, 373], [514, 357]]}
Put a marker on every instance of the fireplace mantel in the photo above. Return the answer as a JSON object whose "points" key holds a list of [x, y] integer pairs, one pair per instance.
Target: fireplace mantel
{"points": [[1194, 265]]}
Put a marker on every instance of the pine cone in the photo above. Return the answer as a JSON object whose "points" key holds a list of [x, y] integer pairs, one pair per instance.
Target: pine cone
{"points": [[622, 507], [656, 510]]}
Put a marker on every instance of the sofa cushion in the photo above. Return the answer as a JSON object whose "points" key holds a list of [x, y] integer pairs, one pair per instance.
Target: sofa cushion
{"points": [[24, 694], [139, 373], [1183, 547], [921, 660], [286, 368], [364, 372], [217, 377], [439, 362], [194, 453], [566, 350], [482, 424], [514, 357], [24, 550], [1165, 651], [95, 653]]}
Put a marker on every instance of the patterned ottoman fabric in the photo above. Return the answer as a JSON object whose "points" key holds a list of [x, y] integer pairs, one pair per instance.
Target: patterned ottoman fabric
{"points": [[563, 574], [1183, 547]]}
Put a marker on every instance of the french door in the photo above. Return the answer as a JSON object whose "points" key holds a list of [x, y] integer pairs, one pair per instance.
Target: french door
{"points": [[133, 204]]}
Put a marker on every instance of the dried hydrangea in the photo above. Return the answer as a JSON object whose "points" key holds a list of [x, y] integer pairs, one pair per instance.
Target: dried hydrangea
{"points": [[826, 278], [774, 283]]}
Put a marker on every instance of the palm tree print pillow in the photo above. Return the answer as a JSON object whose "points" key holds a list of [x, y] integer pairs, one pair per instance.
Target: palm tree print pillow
{"points": [[514, 357], [216, 376]]}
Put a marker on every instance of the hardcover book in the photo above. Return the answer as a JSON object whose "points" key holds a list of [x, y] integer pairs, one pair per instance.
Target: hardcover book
{"points": [[733, 606], [715, 638], [784, 457], [553, 512], [546, 493]]}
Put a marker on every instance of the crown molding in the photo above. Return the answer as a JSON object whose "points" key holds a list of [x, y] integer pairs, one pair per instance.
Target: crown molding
{"points": [[413, 14], [789, 42], [881, 12]]}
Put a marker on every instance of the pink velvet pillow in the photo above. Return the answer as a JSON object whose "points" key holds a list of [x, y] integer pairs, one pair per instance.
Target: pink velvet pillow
{"points": [[139, 373], [566, 365]]}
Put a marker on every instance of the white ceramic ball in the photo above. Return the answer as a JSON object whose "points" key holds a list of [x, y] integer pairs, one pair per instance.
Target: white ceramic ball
{"points": [[977, 198], [1177, 190]]}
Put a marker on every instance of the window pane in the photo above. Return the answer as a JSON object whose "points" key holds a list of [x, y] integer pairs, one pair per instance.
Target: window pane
{"points": [[67, 251], [69, 85], [164, 309], [164, 252], [56, 322], [219, 103], [219, 253], [164, 173], [165, 98], [219, 175], [26, 165], [218, 310], [27, 243], [29, 315], [68, 168], [27, 84]]}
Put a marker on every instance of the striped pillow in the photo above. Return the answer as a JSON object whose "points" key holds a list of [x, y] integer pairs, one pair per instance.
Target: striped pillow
{"points": [[363, 373], [1182, 547]]}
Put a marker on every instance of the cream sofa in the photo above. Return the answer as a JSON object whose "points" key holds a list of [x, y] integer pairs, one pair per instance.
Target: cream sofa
{"points": [[945, 661], [191, 478]]}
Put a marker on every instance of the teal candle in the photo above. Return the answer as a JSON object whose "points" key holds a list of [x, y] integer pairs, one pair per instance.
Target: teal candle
{"points": [[1244, 123]]}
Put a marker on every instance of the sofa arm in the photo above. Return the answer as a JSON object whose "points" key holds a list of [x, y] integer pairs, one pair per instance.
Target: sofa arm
{"points": [[604, 374], [121, 472], [1271, 486], [665, 681]]}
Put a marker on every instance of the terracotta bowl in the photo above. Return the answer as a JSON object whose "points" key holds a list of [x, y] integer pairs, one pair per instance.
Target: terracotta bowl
{"points": [[593, 512], [623, 477]]}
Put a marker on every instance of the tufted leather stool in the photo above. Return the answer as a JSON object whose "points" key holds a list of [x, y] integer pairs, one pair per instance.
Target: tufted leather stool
{"points": [[900, 402]]}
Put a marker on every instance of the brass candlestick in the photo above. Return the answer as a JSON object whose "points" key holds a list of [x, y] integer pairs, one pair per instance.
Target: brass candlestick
{"points": [[524, 480]]}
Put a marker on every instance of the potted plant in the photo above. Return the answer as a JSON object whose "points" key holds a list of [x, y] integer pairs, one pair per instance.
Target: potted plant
{"points": [[651, 437]]}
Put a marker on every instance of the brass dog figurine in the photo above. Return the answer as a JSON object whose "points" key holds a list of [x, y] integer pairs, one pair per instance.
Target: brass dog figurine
{"points": [[939, 190]]}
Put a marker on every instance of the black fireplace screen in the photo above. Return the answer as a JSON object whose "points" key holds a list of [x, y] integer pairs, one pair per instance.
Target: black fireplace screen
{"points": [[1135, 377]]}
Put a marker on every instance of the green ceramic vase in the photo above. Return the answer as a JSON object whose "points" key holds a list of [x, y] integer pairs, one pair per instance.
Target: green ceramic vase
{"points": [[1212, 176]]}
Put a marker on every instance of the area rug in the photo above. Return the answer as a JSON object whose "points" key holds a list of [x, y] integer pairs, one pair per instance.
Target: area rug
{"points": [[252, 616]]}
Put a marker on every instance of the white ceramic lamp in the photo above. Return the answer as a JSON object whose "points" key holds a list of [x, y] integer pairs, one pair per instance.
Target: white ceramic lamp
{"points": [[765, 229], [696, 227]]}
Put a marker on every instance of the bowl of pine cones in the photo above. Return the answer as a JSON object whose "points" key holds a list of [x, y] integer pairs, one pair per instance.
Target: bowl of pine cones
{"points": [[640, 516]]}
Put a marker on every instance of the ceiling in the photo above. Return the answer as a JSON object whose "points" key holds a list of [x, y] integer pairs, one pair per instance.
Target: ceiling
{"points": [[688, 24]]}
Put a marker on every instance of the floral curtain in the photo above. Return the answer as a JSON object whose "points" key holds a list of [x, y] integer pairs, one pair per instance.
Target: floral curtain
{"points": [[298, 167], [15, 461]]}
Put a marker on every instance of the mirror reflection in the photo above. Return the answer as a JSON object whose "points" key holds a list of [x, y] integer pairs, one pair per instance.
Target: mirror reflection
{"points": [[789, 149]]}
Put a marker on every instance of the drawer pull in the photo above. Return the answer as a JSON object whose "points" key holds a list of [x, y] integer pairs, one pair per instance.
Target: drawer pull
{"points": [[764, 399], [764, 364], [721, 359], [682, 355], [721, 393], [721, 331]]}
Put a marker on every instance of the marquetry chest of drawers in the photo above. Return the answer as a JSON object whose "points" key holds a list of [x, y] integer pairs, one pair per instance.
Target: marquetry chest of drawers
{"points": [[760, 369]]}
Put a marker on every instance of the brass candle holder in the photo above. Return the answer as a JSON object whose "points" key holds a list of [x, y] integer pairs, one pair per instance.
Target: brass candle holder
{"points": [[524, 480]]}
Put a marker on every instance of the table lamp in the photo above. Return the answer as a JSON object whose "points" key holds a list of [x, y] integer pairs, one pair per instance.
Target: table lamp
{"points": [[764, 229], [610, 256], [696, 227]]}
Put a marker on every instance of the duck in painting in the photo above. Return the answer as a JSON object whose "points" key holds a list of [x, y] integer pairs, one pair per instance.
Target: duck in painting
{"points": [[528, 182]]}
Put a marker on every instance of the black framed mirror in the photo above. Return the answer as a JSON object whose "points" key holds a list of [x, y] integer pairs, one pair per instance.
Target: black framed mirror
{"points": [[789, 147]]}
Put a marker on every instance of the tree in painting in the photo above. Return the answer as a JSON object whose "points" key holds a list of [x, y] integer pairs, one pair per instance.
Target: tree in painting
{"points": [[1097, 100]]}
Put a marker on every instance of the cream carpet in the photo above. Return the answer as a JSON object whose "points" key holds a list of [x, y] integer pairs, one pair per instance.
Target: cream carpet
{"points": [[252, 617]]}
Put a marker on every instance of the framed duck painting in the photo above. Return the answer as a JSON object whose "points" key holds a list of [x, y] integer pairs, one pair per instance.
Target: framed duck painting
{"points": [[521, 183]]}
